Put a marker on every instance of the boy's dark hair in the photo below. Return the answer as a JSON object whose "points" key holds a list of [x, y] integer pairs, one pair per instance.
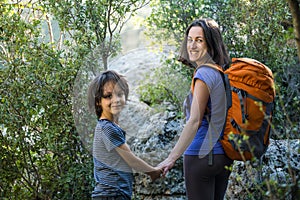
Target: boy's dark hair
{"points": [[215, 45], [95, 91]]}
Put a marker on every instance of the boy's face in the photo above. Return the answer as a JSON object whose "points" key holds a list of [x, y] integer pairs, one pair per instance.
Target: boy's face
{"points": [[112, 101]]}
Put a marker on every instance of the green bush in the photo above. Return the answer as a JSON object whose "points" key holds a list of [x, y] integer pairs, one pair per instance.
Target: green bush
{"points": [[166, 84]]}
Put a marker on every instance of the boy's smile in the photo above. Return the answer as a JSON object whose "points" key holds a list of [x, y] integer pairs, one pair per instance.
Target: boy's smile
{"points": [[113, 100]]}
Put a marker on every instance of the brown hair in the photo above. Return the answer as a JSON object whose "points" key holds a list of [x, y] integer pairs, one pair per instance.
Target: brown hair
{"points": [[95, 91], [215, 45]]}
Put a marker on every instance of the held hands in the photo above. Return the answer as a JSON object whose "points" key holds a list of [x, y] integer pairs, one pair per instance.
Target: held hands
{"points": [[166, 165], [161, 169], [155, 174]]}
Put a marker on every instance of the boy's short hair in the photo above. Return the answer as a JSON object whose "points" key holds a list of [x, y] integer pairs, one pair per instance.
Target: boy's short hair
{"points": [[95, 91]]}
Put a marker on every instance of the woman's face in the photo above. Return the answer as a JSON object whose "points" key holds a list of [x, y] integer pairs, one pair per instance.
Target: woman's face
{"points": [[196, 44]]}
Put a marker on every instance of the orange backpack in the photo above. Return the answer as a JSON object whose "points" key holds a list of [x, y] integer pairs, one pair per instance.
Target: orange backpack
{"points": [[250, 93]]}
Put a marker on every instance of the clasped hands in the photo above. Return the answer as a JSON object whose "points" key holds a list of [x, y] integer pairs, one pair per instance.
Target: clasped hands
{"points": [[161, 169]]}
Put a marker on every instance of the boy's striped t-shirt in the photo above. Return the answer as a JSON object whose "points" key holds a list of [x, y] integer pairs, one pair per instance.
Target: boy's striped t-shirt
{"points": [[112, 174]]}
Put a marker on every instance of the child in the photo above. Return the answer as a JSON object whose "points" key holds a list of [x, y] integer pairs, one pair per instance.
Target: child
{"points": [[113, 160]]}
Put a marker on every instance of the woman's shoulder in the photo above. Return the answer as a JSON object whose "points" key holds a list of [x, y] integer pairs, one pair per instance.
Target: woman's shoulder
{"points": [[210, 76], [207, 71], [207, 68]]}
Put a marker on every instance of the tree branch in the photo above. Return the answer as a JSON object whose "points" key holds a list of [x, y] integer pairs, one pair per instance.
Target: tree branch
{"points": [[50, 29]]}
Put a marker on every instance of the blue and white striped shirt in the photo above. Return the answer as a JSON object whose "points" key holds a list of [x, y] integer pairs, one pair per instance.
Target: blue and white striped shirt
{"points": [[112, 174]]}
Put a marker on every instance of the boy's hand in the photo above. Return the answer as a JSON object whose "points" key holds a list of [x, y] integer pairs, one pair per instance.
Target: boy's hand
{"points": [[155, 174]]}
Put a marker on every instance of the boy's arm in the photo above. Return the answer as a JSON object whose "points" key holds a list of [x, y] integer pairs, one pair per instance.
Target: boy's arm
{"points": [[137, 163]]}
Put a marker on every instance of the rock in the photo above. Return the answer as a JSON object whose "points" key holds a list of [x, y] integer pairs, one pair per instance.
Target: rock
{"points": [[136, 65], [246, 178]]}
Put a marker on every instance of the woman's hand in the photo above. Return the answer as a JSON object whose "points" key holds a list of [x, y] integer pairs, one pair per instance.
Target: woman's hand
{"points": [[166, 165]]}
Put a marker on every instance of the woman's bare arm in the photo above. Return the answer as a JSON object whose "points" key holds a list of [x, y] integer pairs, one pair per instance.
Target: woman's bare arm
{"points": [[199, 104]]}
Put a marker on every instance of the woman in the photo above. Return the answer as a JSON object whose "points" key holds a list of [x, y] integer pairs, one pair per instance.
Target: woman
{"points": [[204, 158]]}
